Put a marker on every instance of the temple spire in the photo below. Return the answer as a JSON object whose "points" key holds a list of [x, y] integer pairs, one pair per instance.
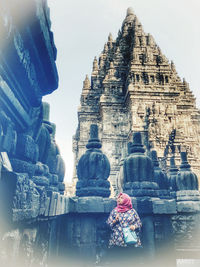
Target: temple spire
{"points": [[86, 83], [133, 74], [95, 65], [105, 50], [129, 17], [110, 38]]}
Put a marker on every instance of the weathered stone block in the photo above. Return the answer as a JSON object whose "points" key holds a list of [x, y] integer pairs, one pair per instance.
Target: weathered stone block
{"points": [[26, 148], [145, 205], [91, 190], [43, 199], [141, 185], [109, 204], [163, 193], [90, 204], [53, 203], [142, 192], [60, 209], [62, 204], [190, 195], [40, 180], [188, 206], [69, 204], [47, 206], [20, 196], [58, 205], [163, 206], [22, 166], [53, 179], [41, 169]]}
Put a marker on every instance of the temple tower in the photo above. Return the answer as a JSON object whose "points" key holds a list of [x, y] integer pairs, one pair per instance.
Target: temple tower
{"points": [[134, 87]]}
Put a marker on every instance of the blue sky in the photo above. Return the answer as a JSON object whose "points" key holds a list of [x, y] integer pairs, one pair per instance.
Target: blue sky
{"points": [[82, 27]]}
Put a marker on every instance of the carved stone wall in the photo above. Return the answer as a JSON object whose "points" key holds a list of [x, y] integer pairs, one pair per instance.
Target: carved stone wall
{"points": [[80, 236], [134, 87], [32, 167]]}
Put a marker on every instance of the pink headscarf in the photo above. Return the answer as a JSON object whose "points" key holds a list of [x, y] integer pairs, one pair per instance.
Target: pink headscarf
{"points": [[126, 204]]}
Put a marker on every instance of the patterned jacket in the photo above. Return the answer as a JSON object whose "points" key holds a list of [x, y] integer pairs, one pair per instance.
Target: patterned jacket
{"points": [[127, 218]]}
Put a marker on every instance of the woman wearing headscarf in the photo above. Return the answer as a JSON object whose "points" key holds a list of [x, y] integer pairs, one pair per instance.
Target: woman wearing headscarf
{"points": [[120, 217]]}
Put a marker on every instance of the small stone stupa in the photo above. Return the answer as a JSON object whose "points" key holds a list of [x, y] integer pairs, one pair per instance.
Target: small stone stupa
{"points": [[93, 169]]}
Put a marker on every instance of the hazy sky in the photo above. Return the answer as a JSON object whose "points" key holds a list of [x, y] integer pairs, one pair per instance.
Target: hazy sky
{"points": [[81, 27]]}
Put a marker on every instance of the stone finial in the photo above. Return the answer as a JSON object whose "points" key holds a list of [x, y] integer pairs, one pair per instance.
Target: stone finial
{"points": [[129, 18], [130, 12], [110, 38], [184, 161], [173, 66], [186, 179], [101, 62], [105, 50], [93, 169], [94, 141], [95, 65], [86, 83], [185, 84], [93, 131], [137, 145], [138, 170]]}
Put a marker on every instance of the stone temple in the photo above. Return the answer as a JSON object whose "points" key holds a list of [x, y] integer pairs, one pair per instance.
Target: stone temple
{"points": [[134, 87]]}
